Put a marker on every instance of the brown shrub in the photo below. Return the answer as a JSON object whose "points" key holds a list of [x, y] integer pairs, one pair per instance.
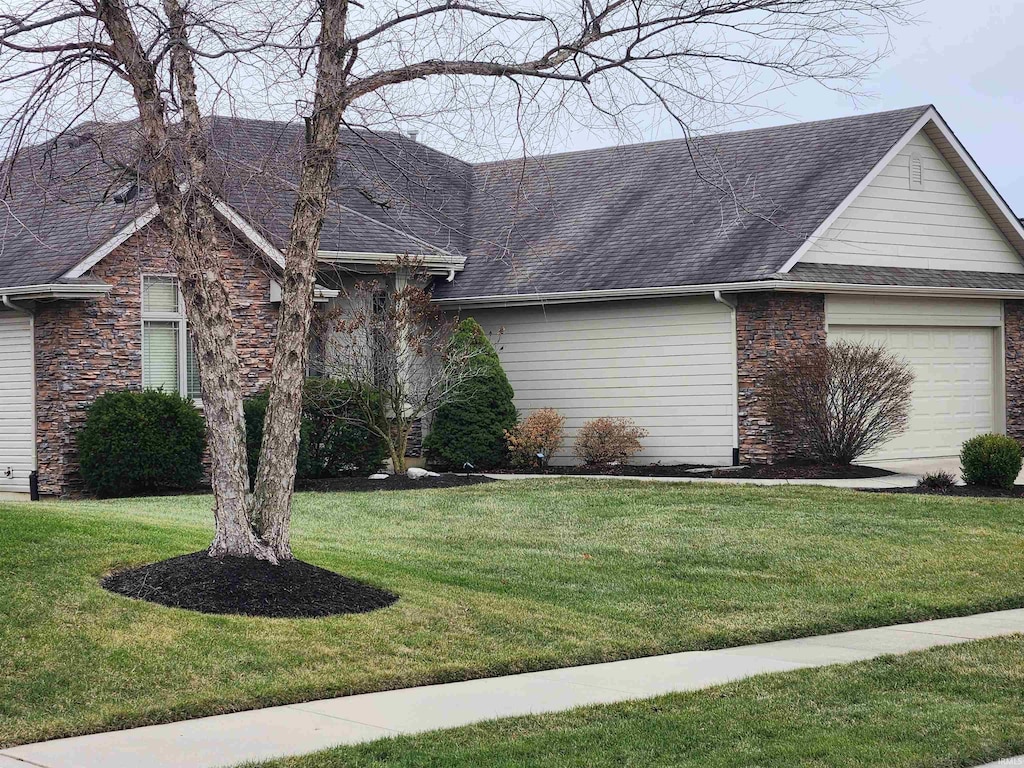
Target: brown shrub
{"points": [[840, 400], [606, 440], [541, 432]]}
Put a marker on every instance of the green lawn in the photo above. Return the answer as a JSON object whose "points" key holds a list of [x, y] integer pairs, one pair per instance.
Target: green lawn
{"points": [[952, 706], [493, 579]]}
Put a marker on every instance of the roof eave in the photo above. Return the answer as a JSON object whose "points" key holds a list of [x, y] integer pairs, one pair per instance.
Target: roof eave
{"points": [[55, 291], [569, 297]]}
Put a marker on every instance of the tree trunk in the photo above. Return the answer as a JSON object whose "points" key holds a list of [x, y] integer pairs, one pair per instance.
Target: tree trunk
{"points": [[275, 478], [190, 222]]}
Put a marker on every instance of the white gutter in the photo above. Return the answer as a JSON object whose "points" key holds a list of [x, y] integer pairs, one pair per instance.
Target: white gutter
{"points": [[56, 291], [14, 307], [741, 287], [445, 263], [731, 304]]}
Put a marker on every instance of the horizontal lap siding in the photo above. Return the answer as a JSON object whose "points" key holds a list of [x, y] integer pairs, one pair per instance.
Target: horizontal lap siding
{"points": [[937, 226], [667, 364], [16, 413], [878, 310]]}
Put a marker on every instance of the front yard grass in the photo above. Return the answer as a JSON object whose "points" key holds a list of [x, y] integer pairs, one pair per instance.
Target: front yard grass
{"points": [[493, 579], [952, 706]]}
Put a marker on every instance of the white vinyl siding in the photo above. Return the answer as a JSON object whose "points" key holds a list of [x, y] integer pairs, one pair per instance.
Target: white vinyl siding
{"points": [[17, 417], [954, 349], [667, 364], [936, 225], [168, 357]]}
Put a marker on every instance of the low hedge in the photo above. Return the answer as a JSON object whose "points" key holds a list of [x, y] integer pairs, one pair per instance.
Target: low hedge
{"points": [[330, 444], [138, 442], [991, 460]]}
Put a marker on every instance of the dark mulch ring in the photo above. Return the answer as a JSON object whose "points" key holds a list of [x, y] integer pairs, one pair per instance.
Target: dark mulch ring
{"points": [[392, 483], [1017, 492], [246, 586]]}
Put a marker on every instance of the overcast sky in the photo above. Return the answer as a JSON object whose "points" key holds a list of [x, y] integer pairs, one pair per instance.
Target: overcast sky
{"points": [[964, 56]]}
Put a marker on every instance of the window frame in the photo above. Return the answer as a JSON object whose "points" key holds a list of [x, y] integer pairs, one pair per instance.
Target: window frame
{"points": [[167, 317]]}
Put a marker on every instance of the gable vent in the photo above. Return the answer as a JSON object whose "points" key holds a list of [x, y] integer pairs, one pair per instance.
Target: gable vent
{"points": [[916, 172]]}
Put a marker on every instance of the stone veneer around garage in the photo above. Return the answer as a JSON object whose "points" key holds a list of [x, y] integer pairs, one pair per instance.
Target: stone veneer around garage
{"points": [[1013, 328], [84, 348], [769, 325]]}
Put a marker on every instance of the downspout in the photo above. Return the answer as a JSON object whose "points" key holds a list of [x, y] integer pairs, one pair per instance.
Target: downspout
{"points": [[33, 477], [731, 304]]}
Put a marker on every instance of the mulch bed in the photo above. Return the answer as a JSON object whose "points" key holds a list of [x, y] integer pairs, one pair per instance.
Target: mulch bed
{"points": [[759, 472], [393, 483], [624, 470], [978, 491], [801, 472], [246, 586]]}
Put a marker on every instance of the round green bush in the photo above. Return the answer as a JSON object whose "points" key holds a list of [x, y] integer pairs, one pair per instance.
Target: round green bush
{"points": [[330, 443], [991, 460], [137, 442], [471, 426]]}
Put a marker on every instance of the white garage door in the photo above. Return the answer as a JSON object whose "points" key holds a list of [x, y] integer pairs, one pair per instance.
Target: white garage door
{"points": [[17, 456], [954, 389]]}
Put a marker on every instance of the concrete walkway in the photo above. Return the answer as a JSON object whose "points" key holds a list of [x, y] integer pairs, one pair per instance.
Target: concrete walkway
{"points": [[227, 740]]}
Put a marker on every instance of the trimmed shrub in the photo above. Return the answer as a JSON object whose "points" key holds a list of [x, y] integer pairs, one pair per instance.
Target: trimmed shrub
{"points": [[138, 442], [331, 442], [538, 435], [608, 440], [991, 460], [471, 425], [834, 403], [942, 482]]}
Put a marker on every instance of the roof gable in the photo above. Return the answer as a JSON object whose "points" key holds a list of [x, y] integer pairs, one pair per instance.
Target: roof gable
{"points": [[716, 209], [925, 205]]}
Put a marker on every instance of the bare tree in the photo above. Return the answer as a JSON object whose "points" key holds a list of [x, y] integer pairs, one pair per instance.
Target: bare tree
{"points": [[399, 352], [841, 400], [453, 63]]}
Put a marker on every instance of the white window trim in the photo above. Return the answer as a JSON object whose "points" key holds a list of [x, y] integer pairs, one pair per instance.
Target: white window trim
{"points": [[176, 317]]}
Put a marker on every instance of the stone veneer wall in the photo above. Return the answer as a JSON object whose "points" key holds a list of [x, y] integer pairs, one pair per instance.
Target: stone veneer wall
{"points": [[769, 325], [84, 348], [1013, 328]]}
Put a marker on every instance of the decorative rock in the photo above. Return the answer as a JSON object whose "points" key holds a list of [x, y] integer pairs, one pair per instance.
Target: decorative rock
{"points": [[415, 473], [378, 476]]}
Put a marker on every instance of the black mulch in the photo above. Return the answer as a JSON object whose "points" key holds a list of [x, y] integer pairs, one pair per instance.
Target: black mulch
{"points": [[981, 491], [625, 470], [760, 472], [801, 472], [393, 483], [241, 585]]}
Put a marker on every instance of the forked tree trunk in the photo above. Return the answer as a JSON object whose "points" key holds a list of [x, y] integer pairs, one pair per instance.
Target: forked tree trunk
{"points": [[189, 220], [275, 479]]}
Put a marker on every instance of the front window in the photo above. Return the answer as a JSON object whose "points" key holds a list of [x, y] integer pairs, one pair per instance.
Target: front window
{"points": [[168, 356]]}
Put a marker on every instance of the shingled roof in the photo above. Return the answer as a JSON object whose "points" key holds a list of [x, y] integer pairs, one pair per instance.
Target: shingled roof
{"points": [[723, 208]]}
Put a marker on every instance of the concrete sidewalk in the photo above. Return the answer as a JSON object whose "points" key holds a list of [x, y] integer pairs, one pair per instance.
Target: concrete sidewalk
{"points": [[227, 740]]}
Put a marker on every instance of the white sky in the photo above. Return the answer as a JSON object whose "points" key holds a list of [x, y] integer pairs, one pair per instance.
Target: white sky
{"points": [[964, 56]]}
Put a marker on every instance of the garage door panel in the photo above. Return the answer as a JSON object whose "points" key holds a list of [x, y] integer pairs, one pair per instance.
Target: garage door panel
{"points": [[954, 386]]}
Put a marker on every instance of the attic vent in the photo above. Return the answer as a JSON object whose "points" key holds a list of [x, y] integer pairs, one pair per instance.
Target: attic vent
{"points": [[126, 194], [916, 172]]}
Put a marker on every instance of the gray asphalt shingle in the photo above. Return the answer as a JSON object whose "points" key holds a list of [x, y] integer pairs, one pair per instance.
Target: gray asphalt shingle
{"points": [[730, 207]]}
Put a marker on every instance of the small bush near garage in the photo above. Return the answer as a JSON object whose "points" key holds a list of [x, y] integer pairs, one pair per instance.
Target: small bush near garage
{"points": [[839, 401], [135, 443], [333, 442], [937, 482], [991, 460], [535, 439], [609, 440], [471, 425]]}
